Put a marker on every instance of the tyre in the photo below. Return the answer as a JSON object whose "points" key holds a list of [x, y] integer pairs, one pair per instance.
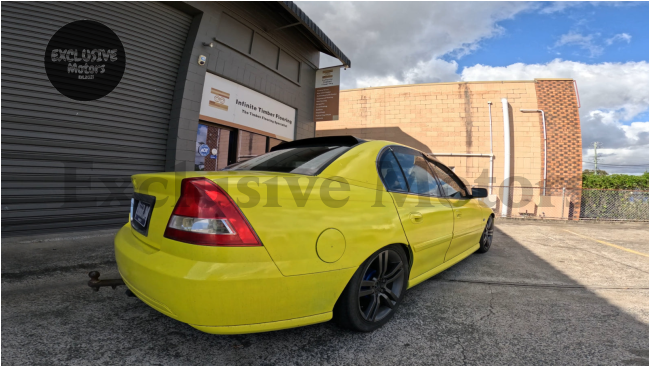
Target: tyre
{"points": [[486, 237], [375, 291]]}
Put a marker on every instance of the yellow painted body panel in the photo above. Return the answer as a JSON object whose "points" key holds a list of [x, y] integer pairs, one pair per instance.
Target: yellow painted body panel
{"points": [[267, 326], [442, 267], [428, 223], [294, 279], [222, 286], [469, 220]]}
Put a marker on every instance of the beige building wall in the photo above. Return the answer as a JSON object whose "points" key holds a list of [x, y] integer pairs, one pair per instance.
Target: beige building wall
{"points": [[450, 118]]}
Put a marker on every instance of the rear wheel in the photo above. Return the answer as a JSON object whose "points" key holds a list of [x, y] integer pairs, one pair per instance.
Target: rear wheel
{"points": [[486, 237], [374, 292]]}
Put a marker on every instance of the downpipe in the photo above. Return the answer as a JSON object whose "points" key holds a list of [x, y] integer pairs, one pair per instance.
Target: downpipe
{"points": [[505, 202]]}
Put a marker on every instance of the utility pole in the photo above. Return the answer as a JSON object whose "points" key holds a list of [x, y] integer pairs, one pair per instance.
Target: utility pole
{"points": [[596, 157]]}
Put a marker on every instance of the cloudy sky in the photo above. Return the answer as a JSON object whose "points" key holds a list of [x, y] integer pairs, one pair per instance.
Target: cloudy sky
{"points": [[604, 46]]}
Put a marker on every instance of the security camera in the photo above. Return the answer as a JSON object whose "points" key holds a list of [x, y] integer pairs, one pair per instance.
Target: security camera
{"points": [[202, 60]]}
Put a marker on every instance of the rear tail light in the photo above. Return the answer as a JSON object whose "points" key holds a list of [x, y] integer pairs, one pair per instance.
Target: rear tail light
{"points": [[206, 215]]}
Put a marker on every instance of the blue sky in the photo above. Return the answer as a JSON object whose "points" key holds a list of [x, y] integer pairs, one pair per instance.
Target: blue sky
{"points": [[603, 46], [531, 37]]}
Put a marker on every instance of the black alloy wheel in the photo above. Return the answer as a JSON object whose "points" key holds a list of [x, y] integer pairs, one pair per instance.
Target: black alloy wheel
{"points": [[381, 286], [486, 237], [375, 291]]}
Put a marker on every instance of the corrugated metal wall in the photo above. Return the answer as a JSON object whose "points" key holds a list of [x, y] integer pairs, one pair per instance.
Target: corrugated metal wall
{"points": [[66, 165]]}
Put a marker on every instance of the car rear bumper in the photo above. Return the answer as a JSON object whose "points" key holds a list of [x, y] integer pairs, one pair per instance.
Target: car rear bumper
{"points": [[224, 290]]}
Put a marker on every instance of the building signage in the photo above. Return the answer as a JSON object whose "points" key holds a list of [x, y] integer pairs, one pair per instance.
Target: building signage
{"points": [[204, 150], [326, 104], [231, 104], [85, 60]]}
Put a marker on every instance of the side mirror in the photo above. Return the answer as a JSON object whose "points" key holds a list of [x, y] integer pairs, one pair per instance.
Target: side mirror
{"points": [[479, 193]]}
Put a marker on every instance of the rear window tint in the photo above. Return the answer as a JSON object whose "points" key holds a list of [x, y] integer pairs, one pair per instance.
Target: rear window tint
{"points": [[303, 160], [391, 173], [418, 176]]}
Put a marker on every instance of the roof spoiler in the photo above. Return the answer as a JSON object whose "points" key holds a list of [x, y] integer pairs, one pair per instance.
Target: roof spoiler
{"points": [[323, 141]]}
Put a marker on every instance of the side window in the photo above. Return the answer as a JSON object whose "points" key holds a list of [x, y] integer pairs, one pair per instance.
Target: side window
{"points": [[391, 173], [418, 176], [451, 185]]}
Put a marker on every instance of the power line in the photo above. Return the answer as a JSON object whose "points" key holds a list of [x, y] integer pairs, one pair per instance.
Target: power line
{"points": [[620, 165]]}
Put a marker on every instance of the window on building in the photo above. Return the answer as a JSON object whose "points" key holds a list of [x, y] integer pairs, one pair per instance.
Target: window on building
{"points": [[251, 145], [450, 184], [211, 152], [274, 142]]}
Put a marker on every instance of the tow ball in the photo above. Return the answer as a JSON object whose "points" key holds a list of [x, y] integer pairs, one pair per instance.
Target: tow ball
{"points": [[95, 283]]}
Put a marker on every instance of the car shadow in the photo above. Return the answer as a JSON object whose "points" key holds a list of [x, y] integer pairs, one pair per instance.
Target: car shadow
{"points": [[505, 307]]}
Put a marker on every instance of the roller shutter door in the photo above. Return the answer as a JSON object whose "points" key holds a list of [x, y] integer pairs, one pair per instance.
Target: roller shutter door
{"points": [[66, 165]]}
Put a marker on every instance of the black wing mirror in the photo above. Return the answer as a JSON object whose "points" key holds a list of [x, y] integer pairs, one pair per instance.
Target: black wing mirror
{"points": [[479, 193]]}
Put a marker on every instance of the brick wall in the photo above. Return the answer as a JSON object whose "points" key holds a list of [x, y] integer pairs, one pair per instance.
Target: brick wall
{"points": [[557, 98], [454, 118], [448, 118]]}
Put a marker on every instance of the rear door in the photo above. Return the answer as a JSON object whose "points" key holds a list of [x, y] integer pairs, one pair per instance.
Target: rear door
{"points": [[468, 221], [427, 218]]}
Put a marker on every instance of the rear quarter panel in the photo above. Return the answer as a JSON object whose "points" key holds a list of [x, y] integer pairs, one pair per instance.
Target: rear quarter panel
{"points": [[289, 212]]}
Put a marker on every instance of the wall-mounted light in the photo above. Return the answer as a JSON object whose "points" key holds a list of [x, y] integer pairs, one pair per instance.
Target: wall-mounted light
{"points": [[208, 44]]}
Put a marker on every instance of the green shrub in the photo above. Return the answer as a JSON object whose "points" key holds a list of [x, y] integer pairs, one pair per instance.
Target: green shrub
{"points": [[590, 180]]}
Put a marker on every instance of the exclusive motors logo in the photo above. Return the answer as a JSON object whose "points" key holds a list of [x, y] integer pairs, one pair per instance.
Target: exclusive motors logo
{"points": [[85, 60]]}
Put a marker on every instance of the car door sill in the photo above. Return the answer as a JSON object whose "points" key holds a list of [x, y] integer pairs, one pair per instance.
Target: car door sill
{"points": [[444, 266]]}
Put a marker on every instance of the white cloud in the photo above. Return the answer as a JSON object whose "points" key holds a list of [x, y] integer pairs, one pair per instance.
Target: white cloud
{"points": [[631, 160], [395, 41], [610, 93], [559, 6], [582, 41], [620, 87], [432, 71], [621, 37]]}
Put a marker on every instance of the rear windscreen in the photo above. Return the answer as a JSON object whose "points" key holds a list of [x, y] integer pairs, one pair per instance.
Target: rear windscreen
{"points": [[303, 160]]}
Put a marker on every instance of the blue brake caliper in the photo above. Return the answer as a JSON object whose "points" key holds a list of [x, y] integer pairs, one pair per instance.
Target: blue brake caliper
{"points": [[369, 275]]}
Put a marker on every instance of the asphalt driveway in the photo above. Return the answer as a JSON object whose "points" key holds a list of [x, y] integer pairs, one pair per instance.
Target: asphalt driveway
{"points": [[546, 293]]}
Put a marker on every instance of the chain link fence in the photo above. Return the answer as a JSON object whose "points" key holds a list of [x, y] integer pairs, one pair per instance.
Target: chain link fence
{"points": [[614, 205], [568, 203]]}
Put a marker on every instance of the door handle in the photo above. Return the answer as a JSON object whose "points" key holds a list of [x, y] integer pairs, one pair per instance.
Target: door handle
{"points": [[416, 217]]}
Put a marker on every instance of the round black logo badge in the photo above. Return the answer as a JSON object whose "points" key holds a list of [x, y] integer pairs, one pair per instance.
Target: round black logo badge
{"points": [[85, 60]]}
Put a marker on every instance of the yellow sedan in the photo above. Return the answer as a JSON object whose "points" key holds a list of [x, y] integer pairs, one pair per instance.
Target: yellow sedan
{"points": [[321, 228]]}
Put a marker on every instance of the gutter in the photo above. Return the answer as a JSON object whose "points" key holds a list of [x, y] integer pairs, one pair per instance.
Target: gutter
{"points": [[309, 24]]}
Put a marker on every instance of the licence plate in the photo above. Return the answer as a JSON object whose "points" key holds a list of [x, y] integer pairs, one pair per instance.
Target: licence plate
{"points": [[141, 214]]}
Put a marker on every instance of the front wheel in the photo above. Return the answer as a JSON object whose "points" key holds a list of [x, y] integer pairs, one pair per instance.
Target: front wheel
{"points": [[486, 237], [374, 292]]}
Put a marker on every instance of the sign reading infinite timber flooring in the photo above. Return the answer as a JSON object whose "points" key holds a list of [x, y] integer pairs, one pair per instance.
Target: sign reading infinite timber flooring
{"points": [[231, 104], [326, 106]]}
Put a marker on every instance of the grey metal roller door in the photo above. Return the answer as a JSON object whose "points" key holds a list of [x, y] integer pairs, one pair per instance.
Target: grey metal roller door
{"points": [[66, 165]]}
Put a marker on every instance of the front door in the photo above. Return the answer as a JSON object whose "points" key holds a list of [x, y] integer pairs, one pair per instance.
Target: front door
{"points": [[427, 218], [468, 221]]}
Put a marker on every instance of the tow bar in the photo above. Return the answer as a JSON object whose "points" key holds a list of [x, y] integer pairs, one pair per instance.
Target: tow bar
{"points": [[95, 283]]}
